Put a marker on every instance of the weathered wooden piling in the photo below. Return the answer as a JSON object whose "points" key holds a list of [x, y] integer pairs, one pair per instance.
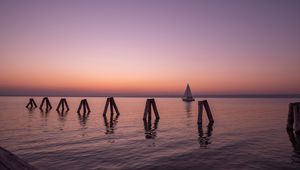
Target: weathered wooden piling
{"points": [[147, 112], [31, 104], [110, 101], [47, 103], [293, 121], [208, 111], [85, 106], [62, 104]]}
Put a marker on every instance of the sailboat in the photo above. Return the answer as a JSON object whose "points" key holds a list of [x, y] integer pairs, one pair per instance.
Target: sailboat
{"points": [[188, 97]]}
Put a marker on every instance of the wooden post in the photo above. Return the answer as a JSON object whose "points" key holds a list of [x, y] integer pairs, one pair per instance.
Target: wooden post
{"points": [[62, 104], [47, 102], [111, 102], [111, 109], [294, 117], [84, 104], [147, 111], [115, 106], [31, 104], [208, 111], [155, 109], [296, 111], [106, 106], [290, 121], [80, 106], [87, 105], [200, 112], [147, 106]]}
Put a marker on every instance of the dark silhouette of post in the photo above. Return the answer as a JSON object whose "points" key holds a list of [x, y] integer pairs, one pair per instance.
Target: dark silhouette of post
{"points": [[85, 106], [110, 101], [294, 117], [47, 103], [147, 112], [208, 111], [31, 104], [62, 104]]}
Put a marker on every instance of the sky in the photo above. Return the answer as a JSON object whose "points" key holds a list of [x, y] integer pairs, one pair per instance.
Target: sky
{"points": [[149, 47]]}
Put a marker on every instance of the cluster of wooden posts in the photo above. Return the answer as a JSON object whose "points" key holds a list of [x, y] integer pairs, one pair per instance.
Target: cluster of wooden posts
{"points": [[293, 122], [110, 102]]}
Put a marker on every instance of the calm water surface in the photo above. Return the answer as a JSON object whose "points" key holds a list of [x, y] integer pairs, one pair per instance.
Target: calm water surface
{"points": [[247, 134]]}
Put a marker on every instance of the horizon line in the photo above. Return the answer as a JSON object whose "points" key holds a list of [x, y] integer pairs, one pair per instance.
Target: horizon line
{"points": [[171, 96]]}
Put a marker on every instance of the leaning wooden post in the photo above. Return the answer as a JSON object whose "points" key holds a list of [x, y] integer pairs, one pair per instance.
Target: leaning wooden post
{"points": [[59, 105], [208, 111], [31, 104], [80, 106], [62, 104], [106, 106], [65, 101], [147, 111], [47, 102], [115, 106], [200, 112], [84, 104], [111, 102], [147, 106], [155, 109], [87, 105], [43, 101]]}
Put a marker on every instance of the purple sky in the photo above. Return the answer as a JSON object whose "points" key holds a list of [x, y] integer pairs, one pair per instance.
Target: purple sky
{"points": [[149, 47]]}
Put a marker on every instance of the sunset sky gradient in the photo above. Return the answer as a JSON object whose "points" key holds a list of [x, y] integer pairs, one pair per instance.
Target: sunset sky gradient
{"points": [[155, 47]]}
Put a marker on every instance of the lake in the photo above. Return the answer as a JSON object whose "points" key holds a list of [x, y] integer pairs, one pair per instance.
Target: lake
{"points": [[248, 133]]}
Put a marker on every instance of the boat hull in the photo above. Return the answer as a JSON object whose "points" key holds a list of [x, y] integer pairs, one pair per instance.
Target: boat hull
{"points": [[188, 99]]}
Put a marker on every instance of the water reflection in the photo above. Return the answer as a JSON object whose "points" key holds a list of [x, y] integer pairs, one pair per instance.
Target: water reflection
{"points": [[62, 118], [44, 114], [188, 108], [295, 140], [204, 139], [150, 133], [83, 118], [111, 125]]}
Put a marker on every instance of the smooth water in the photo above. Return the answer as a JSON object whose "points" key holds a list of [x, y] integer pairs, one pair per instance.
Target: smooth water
{"points": [[247, 134]]}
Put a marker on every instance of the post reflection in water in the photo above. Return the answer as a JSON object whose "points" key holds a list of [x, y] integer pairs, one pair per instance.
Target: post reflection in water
{"points": [[62, 118], [83, 118], [188, 108], [150, 133], [295, 140], [204, 139], [111, 125]]}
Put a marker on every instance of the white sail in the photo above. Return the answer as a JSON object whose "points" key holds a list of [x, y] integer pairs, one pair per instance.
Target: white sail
{"points": [[188, 94]]}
